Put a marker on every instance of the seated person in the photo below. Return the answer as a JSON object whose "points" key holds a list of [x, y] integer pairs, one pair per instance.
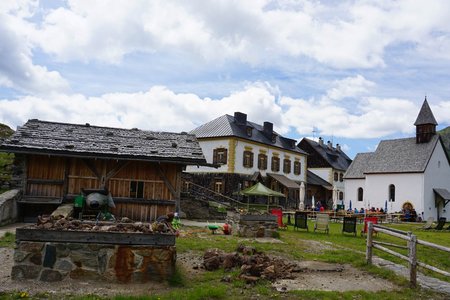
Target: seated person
{"points": [[164, 223], [356, 210]]}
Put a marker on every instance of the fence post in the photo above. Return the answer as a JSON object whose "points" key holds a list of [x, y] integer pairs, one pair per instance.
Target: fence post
{"points": [[369, 243], [412, 244]]}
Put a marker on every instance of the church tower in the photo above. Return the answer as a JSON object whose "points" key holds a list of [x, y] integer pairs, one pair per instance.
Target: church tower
{"points": [[425, 124]]}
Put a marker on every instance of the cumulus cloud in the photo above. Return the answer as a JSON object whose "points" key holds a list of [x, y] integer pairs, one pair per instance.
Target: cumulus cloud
{"points": [[157, 109], [17, 69], [162, 109], [348, 34]]}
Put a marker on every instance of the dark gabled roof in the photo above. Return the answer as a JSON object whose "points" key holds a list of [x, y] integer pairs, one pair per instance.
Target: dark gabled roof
{"points": [[425, 115], [41, 137], [313, 179], [401, 156], [358, 166], [226, 126], [337, 159]]}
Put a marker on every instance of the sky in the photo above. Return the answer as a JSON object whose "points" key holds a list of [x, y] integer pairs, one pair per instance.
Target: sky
{"points": [[352, 72]]}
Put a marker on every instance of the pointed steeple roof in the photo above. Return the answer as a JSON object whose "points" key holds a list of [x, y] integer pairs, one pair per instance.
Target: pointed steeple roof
{"points": [[425, 115]]}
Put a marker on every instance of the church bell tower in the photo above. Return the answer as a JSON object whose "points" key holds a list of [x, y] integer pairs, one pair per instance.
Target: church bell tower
{"points": [[425, 124]]}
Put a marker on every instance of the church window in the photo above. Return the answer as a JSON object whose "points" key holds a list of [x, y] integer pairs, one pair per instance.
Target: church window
{"points": [[360, 194], [336, 176], [392, 193]]}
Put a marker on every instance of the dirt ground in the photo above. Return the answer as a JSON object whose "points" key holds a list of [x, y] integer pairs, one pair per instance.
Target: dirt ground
{"points": [[320, 276]]}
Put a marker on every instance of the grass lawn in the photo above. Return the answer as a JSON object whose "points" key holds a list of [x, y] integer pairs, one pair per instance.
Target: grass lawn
{"points": [[300, 245]]}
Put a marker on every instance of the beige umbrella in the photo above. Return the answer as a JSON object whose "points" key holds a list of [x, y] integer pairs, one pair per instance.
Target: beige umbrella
{"points": [[335, 197], [301, 204]]}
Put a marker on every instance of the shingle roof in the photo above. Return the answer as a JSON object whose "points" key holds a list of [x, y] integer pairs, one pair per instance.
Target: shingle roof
{"points": [[93, 141], [358, 166], [337, 159], [401, 156], [314, 179], [225, 126], [425, 115]]}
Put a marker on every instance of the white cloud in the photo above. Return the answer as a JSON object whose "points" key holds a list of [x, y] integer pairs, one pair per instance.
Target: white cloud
{"points": [[157, 109], [17, 69], [344, 35], [350, 87], [162, 109]]}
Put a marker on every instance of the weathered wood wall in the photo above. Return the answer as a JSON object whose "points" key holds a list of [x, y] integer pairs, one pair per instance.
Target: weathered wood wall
{"points": [[57, 177]]}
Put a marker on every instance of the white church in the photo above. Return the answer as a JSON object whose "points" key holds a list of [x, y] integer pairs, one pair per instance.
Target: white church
{"points": [[404, 172]]}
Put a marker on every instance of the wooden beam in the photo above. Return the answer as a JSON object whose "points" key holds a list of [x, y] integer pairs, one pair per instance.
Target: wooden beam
{"points": [[66, 177], [46, 181], [119, 166], [167, 182], [92, 167]]}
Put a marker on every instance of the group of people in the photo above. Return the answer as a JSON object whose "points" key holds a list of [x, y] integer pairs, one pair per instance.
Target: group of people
{"points": [[362, 210]]}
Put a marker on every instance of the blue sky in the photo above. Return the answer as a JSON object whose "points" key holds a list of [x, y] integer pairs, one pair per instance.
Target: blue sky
{"points": [[355, 71]]}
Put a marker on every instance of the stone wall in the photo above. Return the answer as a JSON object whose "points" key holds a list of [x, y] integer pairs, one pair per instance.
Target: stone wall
{"points": [[254, 226], [9, 207], [50, 261]]}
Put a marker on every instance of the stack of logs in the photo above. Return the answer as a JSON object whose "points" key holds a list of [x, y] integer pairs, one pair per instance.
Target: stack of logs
{"points": [[254, 265], [71, 224]]}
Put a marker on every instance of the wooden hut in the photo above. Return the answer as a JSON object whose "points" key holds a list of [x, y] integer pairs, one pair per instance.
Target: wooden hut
{"points": [[141, 169]]}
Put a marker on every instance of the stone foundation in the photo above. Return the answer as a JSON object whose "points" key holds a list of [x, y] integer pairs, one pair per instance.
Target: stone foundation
{"points": [[53, 261]]}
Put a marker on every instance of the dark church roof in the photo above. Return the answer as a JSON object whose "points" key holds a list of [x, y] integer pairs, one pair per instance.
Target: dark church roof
{"points": [[232, 126], [333, 157], [358, 166], [425, 115], [42, 137]]}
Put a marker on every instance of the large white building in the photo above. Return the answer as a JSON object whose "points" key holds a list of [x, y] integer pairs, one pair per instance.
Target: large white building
{"points": [[245, 153], [404, 172]]}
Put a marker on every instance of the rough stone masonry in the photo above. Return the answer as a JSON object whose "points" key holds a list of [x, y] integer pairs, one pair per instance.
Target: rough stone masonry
{"points": [[53, 261]]}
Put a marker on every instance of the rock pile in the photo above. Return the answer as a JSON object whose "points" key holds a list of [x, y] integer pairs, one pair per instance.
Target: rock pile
{"points": [[71, 224], [254, 265]]}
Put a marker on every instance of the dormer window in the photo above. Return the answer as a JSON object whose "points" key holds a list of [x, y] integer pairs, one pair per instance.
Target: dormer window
{"points": [[274, 138], [249, 131]]}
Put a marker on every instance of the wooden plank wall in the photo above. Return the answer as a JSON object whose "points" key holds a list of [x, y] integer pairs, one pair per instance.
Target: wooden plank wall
{"points": [[142, 212], [51, 176], [41, 169]]}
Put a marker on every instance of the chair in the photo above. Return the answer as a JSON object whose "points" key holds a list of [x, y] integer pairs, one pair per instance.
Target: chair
{"points": [[301, 220], [428, 224], [349, 225], [441, 223], [322, 221], [279, 213], [374, 220]]}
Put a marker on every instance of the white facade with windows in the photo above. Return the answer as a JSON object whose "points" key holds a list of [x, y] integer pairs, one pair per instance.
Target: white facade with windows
{"points": [[405, 171]]}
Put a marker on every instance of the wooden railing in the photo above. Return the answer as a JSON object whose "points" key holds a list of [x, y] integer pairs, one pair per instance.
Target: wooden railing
{"points": [[412, 242], [210, 195]]}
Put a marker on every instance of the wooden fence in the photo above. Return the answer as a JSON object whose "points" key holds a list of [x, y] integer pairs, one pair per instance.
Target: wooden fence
{"points": [[412, 242]]}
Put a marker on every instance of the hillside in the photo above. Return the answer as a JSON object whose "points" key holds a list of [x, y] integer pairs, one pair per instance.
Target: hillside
{"points": [[6, 160], [445, 134]]}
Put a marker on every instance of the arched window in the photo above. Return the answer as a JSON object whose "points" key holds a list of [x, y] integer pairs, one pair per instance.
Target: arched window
{"points": [[360, 194], [341, 177], [336, 176], [392, 193], [341, 195]]}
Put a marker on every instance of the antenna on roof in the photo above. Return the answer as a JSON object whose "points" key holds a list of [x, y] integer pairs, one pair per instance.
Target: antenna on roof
{"points": [[314, 132]]}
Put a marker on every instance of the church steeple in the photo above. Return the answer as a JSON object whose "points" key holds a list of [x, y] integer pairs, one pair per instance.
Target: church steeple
{"points": [[425, 124]]}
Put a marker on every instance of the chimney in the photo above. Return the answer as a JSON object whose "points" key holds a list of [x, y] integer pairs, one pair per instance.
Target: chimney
{"points": [[320, 141], [240, 118], [329, 145], [268, 130], [338, 147]]}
